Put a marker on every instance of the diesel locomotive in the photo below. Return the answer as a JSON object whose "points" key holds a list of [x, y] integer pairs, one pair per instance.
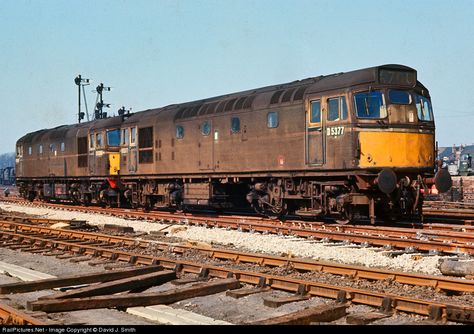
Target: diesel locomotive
{"points": [[346, 146]]}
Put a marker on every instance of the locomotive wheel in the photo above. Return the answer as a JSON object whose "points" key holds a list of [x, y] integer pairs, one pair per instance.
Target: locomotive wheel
{"points": [[277, 216], [346, 217], [342, 221], [87, 200], [147, 205], [270, 211], [181, 207], [75, 197], [31, 196]]}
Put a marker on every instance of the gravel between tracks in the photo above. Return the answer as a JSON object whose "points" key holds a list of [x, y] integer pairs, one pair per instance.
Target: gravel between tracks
{"points": [[256, 242]]}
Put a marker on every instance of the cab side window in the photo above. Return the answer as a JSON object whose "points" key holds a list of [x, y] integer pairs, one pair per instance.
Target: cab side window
{"points": [[133, 136], [337, 109], [91, 141], [125, 137], [315, 116], [98, 139]]}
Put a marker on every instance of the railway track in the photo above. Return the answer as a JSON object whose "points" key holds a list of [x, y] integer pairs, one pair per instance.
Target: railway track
{"points": [[12, 316], [100, 248], [431, 238], [434, 212]]}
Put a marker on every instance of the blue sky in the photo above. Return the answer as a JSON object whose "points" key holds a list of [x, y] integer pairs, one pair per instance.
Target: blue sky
{"points": [[154, 53]]}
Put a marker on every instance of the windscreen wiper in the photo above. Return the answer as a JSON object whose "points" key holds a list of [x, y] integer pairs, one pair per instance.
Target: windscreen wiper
{"points": [[366, 104]]}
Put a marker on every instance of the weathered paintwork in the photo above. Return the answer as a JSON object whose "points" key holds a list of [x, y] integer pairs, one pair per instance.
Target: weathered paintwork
{"points": [[282, 142]]}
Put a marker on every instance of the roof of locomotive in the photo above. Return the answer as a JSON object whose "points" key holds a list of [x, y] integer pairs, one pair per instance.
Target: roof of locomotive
{"points": [[53, 133], [291, 92]]}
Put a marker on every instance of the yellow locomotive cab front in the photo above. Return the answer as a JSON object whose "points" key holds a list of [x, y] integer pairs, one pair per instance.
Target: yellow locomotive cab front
{"points": [[396, 149]]}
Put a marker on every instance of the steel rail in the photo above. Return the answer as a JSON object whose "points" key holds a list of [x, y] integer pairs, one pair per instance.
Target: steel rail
{"points": [[11, 316], [37, 220], [449, 245], [389, 232], [465, 213], [164, 217], [446, 246], [447, 242], [388, 302], [437, 282], [226, 220]]}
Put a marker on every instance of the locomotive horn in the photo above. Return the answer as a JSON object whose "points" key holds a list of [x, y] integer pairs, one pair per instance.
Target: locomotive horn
{"points": [[386, 181], [443, 181]]}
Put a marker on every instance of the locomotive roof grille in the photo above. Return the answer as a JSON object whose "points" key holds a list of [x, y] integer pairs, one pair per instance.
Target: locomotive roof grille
{"points": [[287, 95], [230, 104], [220, 107], [240, 103], [203, 109], [300, 93], [212, 108], [248, 101], [276, 97]]}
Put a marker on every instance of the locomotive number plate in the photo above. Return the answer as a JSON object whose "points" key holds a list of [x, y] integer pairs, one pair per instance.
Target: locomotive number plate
{"points": [[335, 131]]}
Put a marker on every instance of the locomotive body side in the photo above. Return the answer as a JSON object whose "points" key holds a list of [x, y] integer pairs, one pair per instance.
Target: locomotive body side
{"points": [[348, 145]]}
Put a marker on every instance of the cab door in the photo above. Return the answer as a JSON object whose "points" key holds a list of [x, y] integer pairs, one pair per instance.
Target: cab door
{"points": [[315, 133], [206, 146], [133, 151], [92, 157], [19, 160]]}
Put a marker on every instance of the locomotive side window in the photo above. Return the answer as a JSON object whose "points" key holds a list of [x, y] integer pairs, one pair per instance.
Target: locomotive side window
{"points": [[179, 132], [315, 116], [124, 137], [91, 141], [235, 125], [423, 107], [399, 96], [343, 107], [19, 150], [133, 136], [370, 105], [272, 119], [51, 148], [63, 147], [206, 128], [337, 109], [98, 139], [113, 137], [40, 149]]}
